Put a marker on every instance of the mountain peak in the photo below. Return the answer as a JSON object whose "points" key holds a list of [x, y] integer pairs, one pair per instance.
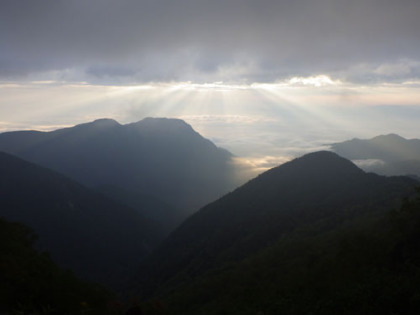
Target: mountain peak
{"points": [[389, 137], [163, 120], [155, 156], [322, 155], [98, 124], [161, 123], [101, 123], [105, 122], [167, 128], [322, 162], [390, 148]]}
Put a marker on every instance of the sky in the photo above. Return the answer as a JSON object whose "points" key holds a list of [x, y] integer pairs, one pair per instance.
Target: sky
{"points": [[266, 79]]}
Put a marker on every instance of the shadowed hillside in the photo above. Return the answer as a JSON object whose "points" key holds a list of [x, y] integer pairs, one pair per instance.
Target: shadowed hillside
{"points": [[315, 193], [367, 265], [83, 230], [157, 157]]}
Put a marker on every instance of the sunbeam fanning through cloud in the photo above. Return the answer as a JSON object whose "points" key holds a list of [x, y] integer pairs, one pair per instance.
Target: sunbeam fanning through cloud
{"points": [[254, 121], [163, 109]]}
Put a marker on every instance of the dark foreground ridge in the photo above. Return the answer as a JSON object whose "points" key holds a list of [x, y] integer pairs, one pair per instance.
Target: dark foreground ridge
{"points": [[97, 238], [269, 245]]}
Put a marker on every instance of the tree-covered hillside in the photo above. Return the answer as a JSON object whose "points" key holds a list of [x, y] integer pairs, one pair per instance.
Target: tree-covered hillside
{"points": [[369, 265], [97, 238], [316, 235], [317, 189]]}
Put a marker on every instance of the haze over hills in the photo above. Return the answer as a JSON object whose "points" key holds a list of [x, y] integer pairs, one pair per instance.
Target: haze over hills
{"points": [[319, 192], [83, 230], [155, 157], [306, 235], [268, 81], [285, 221], [386, 154]]}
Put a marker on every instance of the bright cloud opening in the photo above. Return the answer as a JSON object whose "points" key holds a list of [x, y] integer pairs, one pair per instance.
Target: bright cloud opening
{"points": [[317, 81]]}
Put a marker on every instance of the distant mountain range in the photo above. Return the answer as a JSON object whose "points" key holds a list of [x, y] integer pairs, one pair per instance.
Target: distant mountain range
{"points": [[162, 164], [97, 238], [386, 154], [312, 195], [314, 235]]}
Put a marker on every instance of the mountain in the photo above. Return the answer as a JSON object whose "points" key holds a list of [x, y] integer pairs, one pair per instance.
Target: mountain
{"points": [[386, 154], [97, 238], [367, 265], [159, 157], [313, 194]]}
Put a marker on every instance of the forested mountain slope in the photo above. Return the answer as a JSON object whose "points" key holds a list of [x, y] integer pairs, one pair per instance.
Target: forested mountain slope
{"points": [[318, 192], [83, 230]]}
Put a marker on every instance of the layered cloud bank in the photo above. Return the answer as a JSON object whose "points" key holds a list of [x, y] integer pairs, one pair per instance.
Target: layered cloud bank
{"points": [[128, 41], [268, 80]]}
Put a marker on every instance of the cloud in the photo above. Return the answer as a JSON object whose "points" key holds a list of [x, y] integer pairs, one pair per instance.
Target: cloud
{"points": [[319, 80], [391, 70], [396, 71], [112, 41], [369, 163], [248, 168]]}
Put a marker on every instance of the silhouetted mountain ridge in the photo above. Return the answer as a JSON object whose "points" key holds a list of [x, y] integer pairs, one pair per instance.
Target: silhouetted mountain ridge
{"points": [[160, 157], [318, 189], [368, 264], [83, 230], [385, 154]]}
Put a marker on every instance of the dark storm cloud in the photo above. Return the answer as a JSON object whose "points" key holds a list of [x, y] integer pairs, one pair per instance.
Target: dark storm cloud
{"points": [[250, 40]]}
